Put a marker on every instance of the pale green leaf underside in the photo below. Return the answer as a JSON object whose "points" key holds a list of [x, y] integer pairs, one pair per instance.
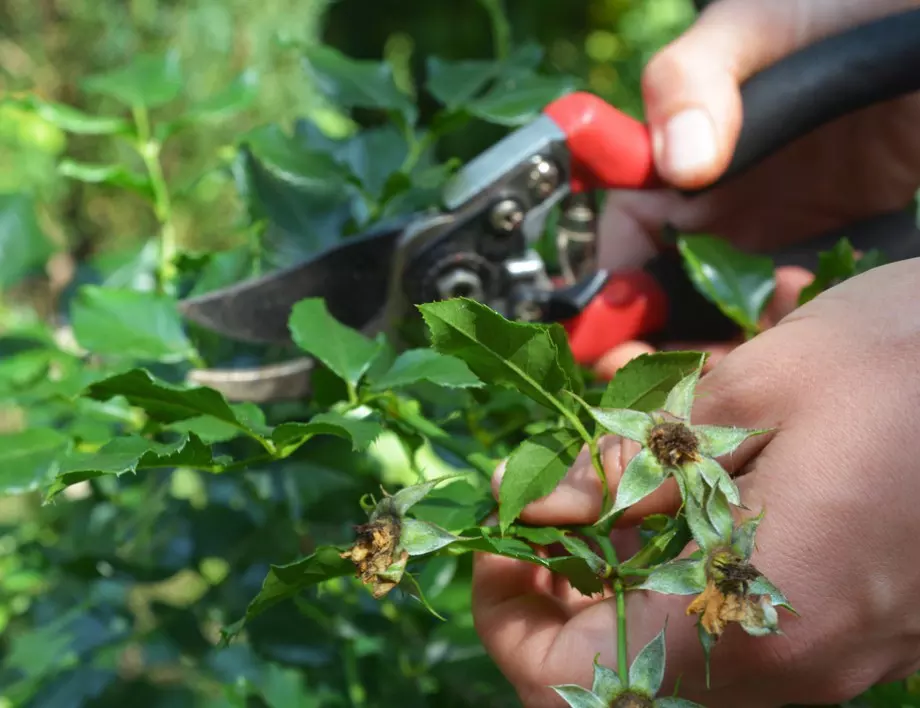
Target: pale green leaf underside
{"points": [[647, 670], [643, 475], [421, 537], [684, 576], [578, 697], [626, 423]]}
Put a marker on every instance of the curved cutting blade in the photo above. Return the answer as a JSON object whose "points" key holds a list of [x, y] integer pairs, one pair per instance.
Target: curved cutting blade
{"points": [[352, 278]]}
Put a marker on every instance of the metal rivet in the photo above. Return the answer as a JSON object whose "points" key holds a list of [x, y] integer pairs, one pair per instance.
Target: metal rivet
{"points": [[543, 178], [506, 216]]}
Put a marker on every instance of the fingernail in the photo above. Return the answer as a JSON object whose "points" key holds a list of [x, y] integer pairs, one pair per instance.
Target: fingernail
{"points": [[689, 144]]}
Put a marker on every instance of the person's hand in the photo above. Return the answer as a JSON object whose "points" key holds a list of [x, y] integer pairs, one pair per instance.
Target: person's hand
{"points": [[858, 166], [840, 482]]}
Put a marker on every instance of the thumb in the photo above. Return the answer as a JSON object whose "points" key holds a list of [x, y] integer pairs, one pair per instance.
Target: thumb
{"points": [[691, 87]]}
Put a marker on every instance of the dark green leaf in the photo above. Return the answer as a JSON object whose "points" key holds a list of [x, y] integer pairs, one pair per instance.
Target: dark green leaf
{"points": [[361, 433], [290, 161], [74, 121], [28, 458], [284, 582], [149, 80], [514, 354], [740, 284], [580, 549], [130, 454], [417, 365], [356, 83], [517, 101], [24, 245], [836, 265], [644, 383], [533, 471], [129, 324], [455, 83], [168, 403], [345, 351], [114, 175]]}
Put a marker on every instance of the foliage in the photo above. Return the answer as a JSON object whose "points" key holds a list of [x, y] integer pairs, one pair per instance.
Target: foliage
{"points": [[166, 545]]}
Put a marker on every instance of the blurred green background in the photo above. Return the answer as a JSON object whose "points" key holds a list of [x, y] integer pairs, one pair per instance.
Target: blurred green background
{"points": [[116, 597]]}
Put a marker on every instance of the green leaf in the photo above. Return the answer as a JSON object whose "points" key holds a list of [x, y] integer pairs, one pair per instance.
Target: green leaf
{"points": [[647, 670], [836, 265], [684, 576], [284, 582], [513, 354], [346, 352], [518, 100], [149, 80], [744, 534], [24, 247], [720, 514], [580, 549], [762, 586], [662, 547], [168, 403], [697, 518], [129, 324], [239, 95], [211, 430], [740, 284], [679, 402], [361, 433], [75, 121], [579, 574], [634, 425], [642, 476], [129, 454], [289, 160], [28, 458], [716, 441], [455, 83], [644, 383], [417, 365], [114, 175], [606, 684], [406, 498], [356, 83], [578, 697], [421, 537], [717, 478], [533, 471]]}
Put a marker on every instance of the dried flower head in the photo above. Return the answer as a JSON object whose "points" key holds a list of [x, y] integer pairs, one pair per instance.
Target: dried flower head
{"points": [[384, 544], [727, 586], [671, 446]]}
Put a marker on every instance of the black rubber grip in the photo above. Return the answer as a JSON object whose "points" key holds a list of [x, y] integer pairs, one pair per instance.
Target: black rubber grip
{"points": [[874, 62], [693, 318]]}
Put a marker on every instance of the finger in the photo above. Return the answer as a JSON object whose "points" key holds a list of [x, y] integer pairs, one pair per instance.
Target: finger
{"points": [[790, 281], [691, 87], [618, 357], [514, 620]]}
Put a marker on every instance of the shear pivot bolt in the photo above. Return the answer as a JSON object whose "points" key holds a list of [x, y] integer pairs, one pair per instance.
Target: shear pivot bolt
{"points": [[543, 178], [460, 282], [506, 216]]}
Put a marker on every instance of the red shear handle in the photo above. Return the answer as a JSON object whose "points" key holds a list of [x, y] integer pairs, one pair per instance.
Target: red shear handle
{"points": [[610, 150], [630, 306]]}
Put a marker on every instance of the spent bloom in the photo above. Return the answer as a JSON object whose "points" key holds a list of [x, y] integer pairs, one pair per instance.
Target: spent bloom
{"points": [[385, 543], [671, 446], [727, 586], [608, 690]]}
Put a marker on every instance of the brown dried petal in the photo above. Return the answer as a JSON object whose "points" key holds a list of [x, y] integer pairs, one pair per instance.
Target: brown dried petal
{"points": [[374, 550]]}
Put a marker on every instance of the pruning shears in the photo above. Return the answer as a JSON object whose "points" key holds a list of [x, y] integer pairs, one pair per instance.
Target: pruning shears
{"points": [[481, 240]]}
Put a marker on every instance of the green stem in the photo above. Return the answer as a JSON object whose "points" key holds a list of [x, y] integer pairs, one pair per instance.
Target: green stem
{"points": [[501, 28], [149, 150], [622, 647], [356, 692], [590, 441], [439, 436]]}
